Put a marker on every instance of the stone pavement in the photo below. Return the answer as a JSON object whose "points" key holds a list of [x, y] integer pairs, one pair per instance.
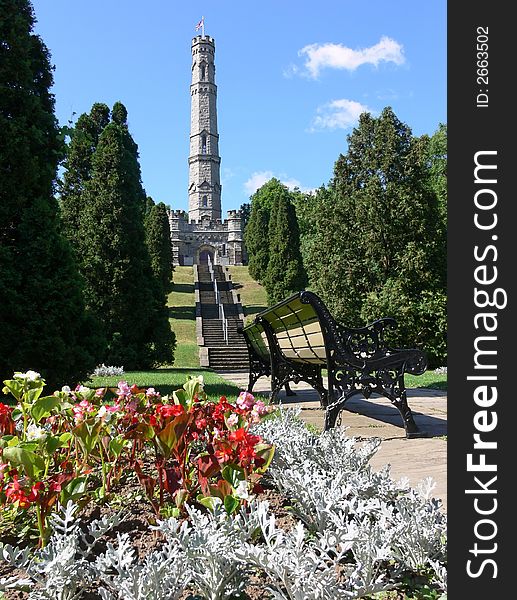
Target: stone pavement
{"points": [[415, 459]]}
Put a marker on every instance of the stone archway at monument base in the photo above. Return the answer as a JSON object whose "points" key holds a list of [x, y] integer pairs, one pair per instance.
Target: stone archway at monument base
{"points": [[203, 253]]}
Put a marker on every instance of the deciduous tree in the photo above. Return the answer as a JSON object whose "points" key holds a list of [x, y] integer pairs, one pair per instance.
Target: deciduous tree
{"points": [[377, 246]]}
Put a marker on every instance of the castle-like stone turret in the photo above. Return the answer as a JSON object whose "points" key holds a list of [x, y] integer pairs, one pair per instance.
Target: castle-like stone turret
{"points": [[204, 189]]}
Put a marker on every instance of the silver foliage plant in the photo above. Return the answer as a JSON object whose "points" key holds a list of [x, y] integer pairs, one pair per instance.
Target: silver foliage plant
{"points": [[352, 523], [62, 569], [104, 371]]}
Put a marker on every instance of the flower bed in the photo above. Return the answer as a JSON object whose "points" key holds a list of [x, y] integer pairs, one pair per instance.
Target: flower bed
{"points": [[349, 532]]}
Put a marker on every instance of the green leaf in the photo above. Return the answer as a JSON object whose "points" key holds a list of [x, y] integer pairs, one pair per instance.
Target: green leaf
{"points": [[192, 387], [31, 462], [74, 490], [265, 451], [233, 474], [211, 502], [43, 407], [13, 386], [231, 504], [32, 395], [87, 432], [54, 442], [116, 445], [9, 440], [180, 398]]}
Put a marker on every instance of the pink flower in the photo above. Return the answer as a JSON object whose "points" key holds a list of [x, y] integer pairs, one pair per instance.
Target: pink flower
{"points": [[260, 408], [245, 400], [123, 389], [80, 409], [232, 420]]}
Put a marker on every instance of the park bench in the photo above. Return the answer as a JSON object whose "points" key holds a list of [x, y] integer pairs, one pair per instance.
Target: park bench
{"points": [[298, 338]]}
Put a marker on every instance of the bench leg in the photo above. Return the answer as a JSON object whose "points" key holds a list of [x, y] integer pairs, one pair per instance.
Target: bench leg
{"points": [[288, 390], [412, 430]]}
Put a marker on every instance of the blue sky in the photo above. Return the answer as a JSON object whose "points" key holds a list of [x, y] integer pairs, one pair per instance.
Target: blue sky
{"points": [[292, 79]]}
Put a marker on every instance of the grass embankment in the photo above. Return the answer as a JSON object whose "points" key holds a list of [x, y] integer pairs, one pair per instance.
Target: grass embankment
{"points": [[253, 295], [182, 310]]}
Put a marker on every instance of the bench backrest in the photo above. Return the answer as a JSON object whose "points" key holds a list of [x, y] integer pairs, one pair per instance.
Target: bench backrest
{"points": [[257, 339], [297, 329]]}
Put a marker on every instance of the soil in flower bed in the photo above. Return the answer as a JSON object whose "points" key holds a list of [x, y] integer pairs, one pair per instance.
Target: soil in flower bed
{"points": [[136, 516]]}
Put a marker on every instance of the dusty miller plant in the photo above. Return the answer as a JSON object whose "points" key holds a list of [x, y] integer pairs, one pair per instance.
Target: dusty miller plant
{"points": [[208, 543], [163, 574], [334, 490], [63, 568]]}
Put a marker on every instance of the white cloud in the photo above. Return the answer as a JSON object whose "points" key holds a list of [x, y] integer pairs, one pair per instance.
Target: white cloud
{"points": [[338, 114], [227, 174], [291, 70], [337, 56], [259, 178]]}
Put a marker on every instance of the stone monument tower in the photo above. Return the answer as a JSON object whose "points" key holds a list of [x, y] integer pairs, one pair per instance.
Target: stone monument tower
{"points": [[204, 189], [202, 233]]}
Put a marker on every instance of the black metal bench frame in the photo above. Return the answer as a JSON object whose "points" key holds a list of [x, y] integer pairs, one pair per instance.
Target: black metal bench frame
{"points": [[357, 360]]}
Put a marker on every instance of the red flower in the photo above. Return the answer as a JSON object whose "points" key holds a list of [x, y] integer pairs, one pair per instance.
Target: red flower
{"points": [[55, 487], [224, 453], [35, 490], [201, 423], [237, 436], [15, 493], [7, 426], [169, 410], [247, 453]]}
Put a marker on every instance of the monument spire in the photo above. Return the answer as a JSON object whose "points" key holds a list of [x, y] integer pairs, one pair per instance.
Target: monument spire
{"points": [[204, 161]]}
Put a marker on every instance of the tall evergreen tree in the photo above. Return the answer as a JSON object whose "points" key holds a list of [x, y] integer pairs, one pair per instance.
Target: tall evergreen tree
{"points": [[377, 247], [285, 274], [159, 243], [85, 136], [255, 241], [42, 317], [120, 288]]}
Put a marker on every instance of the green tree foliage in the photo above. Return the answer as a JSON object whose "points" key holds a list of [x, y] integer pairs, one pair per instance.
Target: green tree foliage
{"points": [[159, 243], [109, 208], [377, 246], [42, 318], [255, 238], [437, 153], [285, 274], [84, 139]]}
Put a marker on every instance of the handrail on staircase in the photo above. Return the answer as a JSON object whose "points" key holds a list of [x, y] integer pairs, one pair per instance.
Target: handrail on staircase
{"points": [[222, 316]]}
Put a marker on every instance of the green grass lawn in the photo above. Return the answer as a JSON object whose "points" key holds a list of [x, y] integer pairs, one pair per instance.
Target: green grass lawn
{"points": [[166, 381], [182, 307], [253, 295], [429, 380]]}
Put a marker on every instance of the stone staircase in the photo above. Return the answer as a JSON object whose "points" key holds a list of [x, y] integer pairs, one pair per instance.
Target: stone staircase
{"points": [[222, 356]]}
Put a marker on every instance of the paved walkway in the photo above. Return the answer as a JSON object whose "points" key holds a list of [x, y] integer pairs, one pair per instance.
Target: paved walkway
{"points": [[415, 459]]}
